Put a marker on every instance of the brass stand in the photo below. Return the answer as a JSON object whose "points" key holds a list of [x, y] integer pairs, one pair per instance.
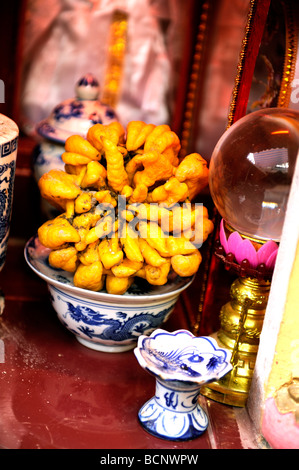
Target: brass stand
{"points": [[241, 322]]}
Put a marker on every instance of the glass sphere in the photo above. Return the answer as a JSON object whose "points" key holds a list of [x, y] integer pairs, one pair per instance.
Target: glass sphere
{"points": [[251, 171]]}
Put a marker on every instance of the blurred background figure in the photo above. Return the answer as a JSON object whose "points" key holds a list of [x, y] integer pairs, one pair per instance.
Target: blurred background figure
{"points": [[130, 46], [141, 52]]}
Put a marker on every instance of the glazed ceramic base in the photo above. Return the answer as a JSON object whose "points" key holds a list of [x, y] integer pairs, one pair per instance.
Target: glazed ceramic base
{"points": [[105, 348], [173, 413]]}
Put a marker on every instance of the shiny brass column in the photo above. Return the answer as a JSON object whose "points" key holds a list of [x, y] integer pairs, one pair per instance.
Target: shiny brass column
{"points": [[241, 322]]}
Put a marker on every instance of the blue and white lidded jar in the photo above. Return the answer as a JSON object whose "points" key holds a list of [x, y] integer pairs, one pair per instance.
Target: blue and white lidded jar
{"points": [[72, 116]]}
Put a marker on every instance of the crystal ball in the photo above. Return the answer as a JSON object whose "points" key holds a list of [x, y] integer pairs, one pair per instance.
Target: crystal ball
{"points": [[251, 171]]}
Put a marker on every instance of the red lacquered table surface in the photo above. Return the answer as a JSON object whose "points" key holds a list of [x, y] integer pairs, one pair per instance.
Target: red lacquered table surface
{"points": [[57, 394]]}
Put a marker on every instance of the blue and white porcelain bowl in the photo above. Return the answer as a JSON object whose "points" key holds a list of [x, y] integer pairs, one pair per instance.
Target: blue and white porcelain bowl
{"points": [[181, 364], [102, 321]]}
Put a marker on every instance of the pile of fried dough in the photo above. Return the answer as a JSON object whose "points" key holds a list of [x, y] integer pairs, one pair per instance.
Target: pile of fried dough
{"points": [[107, 244]]}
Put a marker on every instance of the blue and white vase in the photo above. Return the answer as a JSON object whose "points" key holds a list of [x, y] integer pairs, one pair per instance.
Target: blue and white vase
{"points": [[181, 364], [9, 134]]}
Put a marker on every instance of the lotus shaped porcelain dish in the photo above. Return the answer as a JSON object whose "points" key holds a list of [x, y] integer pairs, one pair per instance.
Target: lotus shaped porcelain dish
{"points": [[102, 321], [181, 364], [183, 357]]}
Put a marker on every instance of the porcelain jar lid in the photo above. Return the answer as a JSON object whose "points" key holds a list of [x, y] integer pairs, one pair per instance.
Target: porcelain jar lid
{"points": [[77, 115]]}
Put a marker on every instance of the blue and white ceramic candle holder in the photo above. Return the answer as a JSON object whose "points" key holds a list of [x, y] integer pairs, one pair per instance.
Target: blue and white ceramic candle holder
{"points": [[181, 364]]}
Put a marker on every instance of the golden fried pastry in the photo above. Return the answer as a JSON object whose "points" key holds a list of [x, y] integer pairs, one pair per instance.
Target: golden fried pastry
{"points": [[129, 215], [95, 175], [157, 167], [154, 136], [57, 187], [137, 133], [55, 233], [84, 202], [89, 276], [193, 170], [64, 258], [114, 132], [90, 254], [166, 142], [79, 145], [116, 173], [171, 192], [110, 252], [151, 255], [118, 285], [186, 265], [157, 275], [126, 268]]}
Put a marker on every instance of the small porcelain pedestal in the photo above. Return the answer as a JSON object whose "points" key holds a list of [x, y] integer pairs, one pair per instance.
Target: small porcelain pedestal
{"points": [[181, 364], [174, 412]]}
